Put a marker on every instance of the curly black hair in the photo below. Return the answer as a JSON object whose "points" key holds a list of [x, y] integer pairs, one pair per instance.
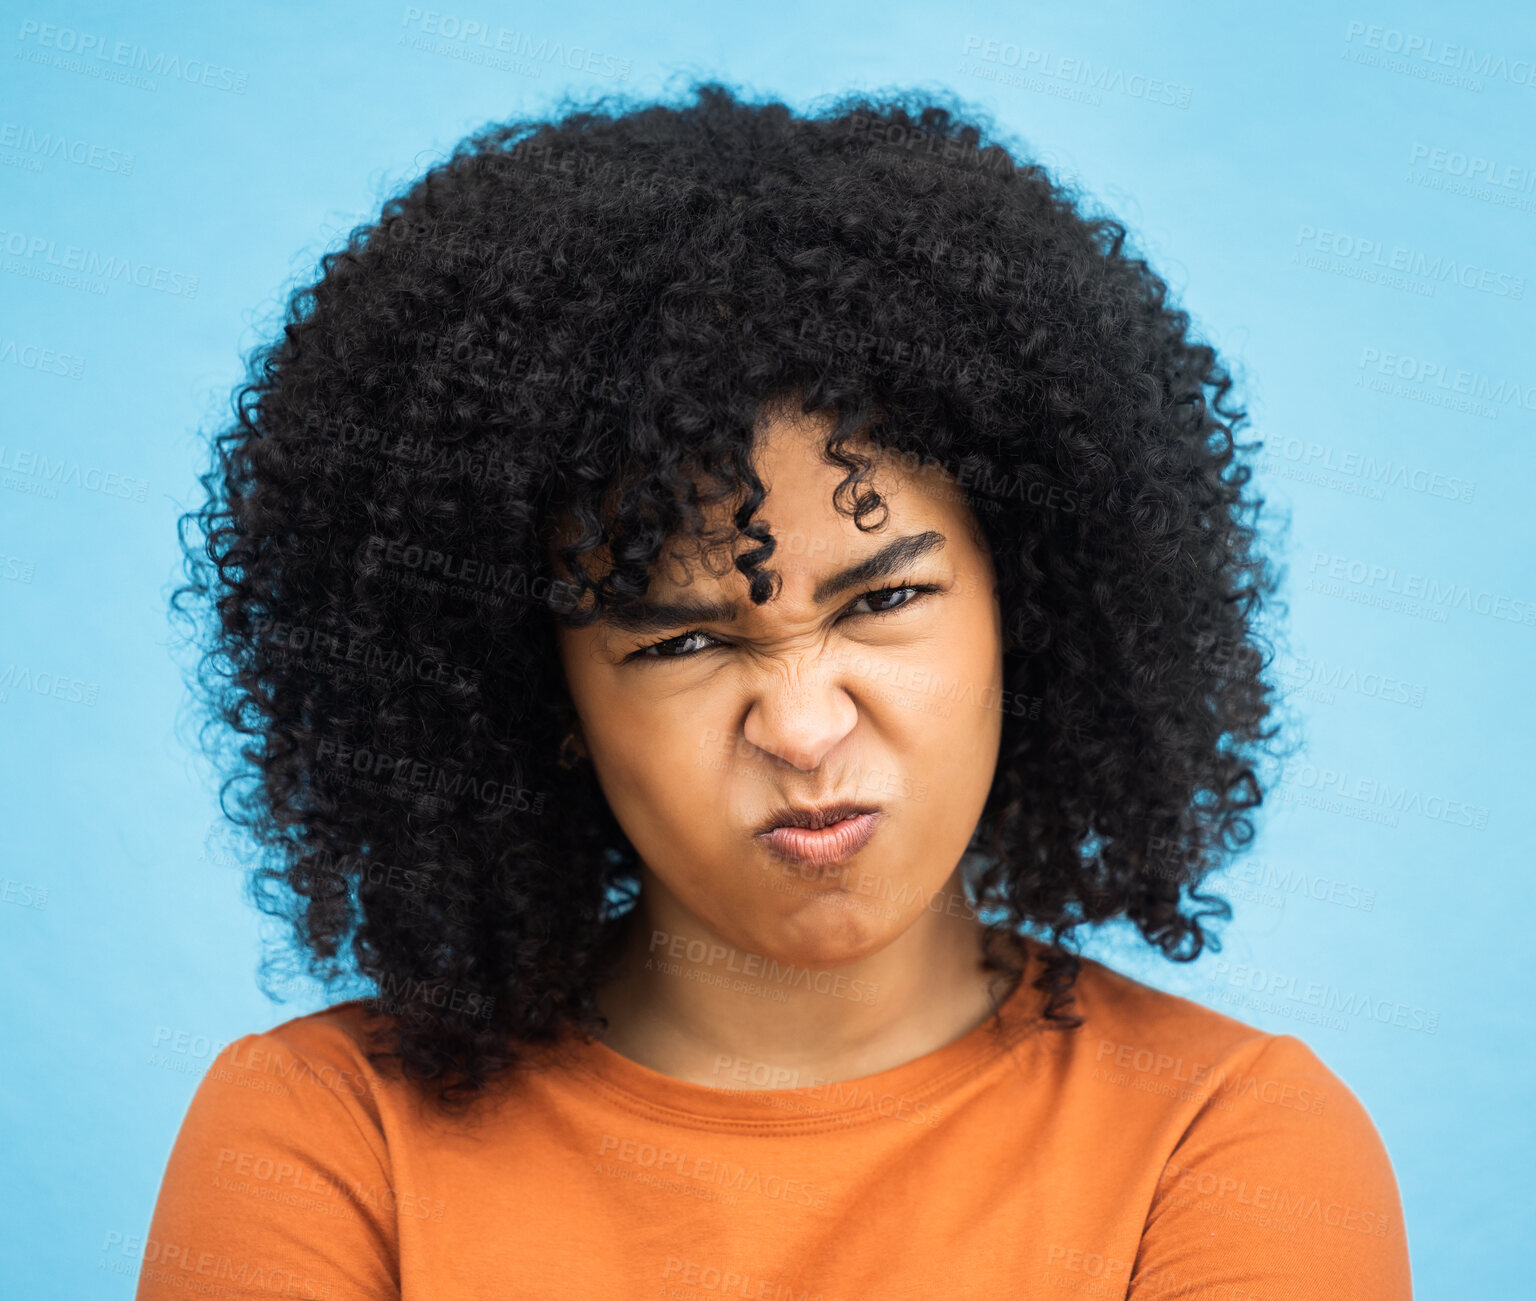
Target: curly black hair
{"points": [[566, 331]]}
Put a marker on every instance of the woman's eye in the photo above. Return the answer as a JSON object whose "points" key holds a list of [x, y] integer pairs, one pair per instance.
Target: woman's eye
{"points": [[676, 648], [906, 593], [661, 650]]}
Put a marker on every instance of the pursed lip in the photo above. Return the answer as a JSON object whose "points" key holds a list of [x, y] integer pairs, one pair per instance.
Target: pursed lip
{"points": [[814, 817]]}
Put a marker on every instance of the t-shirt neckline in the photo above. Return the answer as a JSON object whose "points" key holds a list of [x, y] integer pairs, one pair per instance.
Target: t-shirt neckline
{"points": [[904, 1092]]}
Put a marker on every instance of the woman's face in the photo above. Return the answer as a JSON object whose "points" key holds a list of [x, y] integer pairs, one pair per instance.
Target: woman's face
{"points": [[891, 701]]}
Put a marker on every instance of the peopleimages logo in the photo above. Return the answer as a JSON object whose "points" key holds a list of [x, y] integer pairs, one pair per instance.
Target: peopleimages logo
{"points": [[1306, 671], [505, 40], [94, 263], [52, 473], [724, 1174], [126, 54], [1473, 167], [1080, 72], [1300, 775], [699, 953], [82, 153], [46, 361], [1441, 54], [1321, 995], [1312, 462], [1443, 385], [1288, 881], [1421, 587], [1373, 257]]}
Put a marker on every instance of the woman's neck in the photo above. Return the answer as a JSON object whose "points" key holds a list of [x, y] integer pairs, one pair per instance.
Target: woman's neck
{"points": [[686, 1003]]}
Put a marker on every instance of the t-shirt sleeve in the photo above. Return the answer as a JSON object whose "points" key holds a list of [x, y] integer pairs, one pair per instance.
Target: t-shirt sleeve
{"points": [[1280, 1188], [275, 1186]]}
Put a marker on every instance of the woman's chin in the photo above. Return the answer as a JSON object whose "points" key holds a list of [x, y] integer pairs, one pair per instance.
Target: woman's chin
{"points": [[820, 933]]}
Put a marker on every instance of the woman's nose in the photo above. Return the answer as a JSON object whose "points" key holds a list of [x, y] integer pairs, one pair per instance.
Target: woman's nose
{"points": [[799, 710]]}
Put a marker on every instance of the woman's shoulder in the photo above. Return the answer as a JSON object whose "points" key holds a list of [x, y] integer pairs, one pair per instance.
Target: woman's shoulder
{"points": [[335, 1036], [1126, 1018], [318, 1061], [282, 1161], [1231, 1094], [1252, 1136], [1189, 1064]]}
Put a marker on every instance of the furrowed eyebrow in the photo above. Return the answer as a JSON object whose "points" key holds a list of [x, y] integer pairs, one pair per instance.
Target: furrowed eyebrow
{"points": [[894, 556], [657, 616]]}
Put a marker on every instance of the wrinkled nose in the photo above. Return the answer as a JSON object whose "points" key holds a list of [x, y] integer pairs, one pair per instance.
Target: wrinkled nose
{"points": [[798, 711]]}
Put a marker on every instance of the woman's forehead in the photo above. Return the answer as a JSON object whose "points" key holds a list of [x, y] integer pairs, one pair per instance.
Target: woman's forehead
{"points": [[810, 534]]}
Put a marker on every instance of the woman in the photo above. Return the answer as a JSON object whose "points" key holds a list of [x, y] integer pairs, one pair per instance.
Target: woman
{"points": [[718, 598]]}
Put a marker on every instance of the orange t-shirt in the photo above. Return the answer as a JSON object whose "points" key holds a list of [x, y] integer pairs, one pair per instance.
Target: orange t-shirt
{"points": [[1160, 1150]]}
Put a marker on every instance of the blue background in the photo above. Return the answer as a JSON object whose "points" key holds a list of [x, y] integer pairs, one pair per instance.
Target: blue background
{"points": [[1415, 713]]}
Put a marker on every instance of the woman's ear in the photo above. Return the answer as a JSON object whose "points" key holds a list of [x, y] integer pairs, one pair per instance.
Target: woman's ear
{"points": [[572, 746], [572, 750]]}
